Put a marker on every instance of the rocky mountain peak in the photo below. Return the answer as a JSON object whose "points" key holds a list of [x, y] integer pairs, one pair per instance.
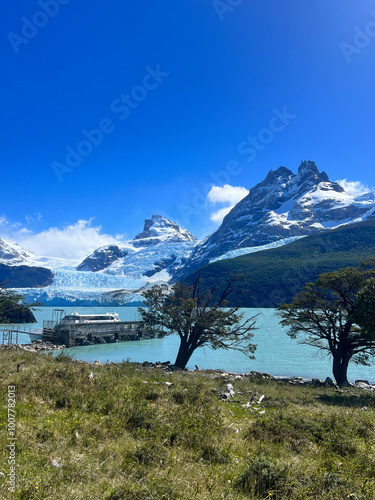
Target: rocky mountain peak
{"points": [[274, 176], [308, 171], [161, 247], [102, 258], [158, 229], [12, 253], [283, 205], [308, 166]]}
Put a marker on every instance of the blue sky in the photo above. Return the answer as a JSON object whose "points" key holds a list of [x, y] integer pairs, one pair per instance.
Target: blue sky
{"points": [[218, 74]]}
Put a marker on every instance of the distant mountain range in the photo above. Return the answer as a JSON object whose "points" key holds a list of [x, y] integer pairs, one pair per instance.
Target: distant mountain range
{"points": [[284, 205], [283, 208], [271, 277], [114, 274]]}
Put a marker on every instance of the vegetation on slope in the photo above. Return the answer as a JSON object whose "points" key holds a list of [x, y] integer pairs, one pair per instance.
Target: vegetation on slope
{"points": [[12, 310], [114, 432], [271, 277]]}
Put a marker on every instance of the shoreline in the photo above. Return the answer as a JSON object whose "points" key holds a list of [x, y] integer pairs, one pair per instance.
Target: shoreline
{"points": [[48, 347]]}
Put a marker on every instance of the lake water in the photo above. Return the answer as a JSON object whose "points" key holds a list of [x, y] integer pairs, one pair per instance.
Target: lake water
{"points": [[276, 353]]}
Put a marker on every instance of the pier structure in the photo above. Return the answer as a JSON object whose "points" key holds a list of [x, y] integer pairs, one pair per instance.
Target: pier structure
{"points": [[73, 334], [9, 333], [93, 333]]}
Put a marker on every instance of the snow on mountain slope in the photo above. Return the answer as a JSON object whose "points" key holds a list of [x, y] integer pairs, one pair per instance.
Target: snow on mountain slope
{"points": [[158, 229], [284, 205], [244, 251], [11, 253], [114, 273], [161, 246], [282, 208]]}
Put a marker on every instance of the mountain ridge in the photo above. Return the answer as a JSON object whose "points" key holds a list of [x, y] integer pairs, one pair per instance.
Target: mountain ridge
{"points": [[282, 208], [270, 277], [283, 205]]}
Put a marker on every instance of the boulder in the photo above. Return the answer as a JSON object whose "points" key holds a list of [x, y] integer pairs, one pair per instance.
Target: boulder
{"points": [[328, 381]]}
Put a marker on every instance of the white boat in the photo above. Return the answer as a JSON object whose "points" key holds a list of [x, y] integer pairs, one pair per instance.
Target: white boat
{"points": [[83, 319]]}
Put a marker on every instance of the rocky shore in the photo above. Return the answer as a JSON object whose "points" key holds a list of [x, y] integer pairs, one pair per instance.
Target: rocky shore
{"points": [[232, 376], [35, 346]]}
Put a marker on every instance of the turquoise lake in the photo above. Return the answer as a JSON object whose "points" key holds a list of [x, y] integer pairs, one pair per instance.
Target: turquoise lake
{"points": [[276, 353]]}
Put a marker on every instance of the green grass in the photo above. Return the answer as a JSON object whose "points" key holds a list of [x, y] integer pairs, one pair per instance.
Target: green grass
{"points": [[271, 277], [117, 437]]}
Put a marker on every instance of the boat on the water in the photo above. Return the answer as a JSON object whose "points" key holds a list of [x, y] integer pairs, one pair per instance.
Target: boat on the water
{"points": [[77, 319], [84, 329]]}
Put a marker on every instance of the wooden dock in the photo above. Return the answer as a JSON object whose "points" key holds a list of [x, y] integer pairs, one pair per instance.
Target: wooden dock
{"points": [[73, 333], [93, 333], [9, 334]]}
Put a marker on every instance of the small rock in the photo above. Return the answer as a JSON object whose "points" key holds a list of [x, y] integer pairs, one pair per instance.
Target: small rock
{"points": [[247, 405], [230, 390], [363, 381], [56, 463], [330, 382], [316, 381], [363, 385], [224, 396], [97, 362], [168, 384]]}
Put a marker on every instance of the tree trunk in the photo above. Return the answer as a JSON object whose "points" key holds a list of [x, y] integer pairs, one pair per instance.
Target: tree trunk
{"points": [[184, 354], [340, 368]]}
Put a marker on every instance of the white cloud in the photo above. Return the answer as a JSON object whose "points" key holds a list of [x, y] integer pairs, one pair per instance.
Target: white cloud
{"points": [[355, 188], [227, 195], [220, 214], [75, 241], [33, 218], [3, 220]]}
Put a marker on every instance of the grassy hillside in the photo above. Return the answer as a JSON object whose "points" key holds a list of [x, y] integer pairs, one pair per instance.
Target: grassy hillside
{"points": [[271, 277], [112, 432]]}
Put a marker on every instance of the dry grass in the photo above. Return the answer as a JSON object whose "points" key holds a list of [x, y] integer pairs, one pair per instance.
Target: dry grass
{"points": [[114, 436]]}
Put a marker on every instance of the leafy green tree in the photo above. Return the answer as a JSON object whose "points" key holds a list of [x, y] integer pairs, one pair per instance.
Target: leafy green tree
{"points": [[365, 309], [198, 318], [12, 308], [335, 314]]}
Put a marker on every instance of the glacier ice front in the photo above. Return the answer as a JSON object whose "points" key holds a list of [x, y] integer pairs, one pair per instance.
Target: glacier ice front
{"points": [[119, 274]]}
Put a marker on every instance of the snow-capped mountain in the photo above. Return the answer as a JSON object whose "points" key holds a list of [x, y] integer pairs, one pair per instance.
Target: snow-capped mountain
{"points": [[11, 253], [280, 209], [283, 205], [162, 247], [158, 229], [120, 273]]}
